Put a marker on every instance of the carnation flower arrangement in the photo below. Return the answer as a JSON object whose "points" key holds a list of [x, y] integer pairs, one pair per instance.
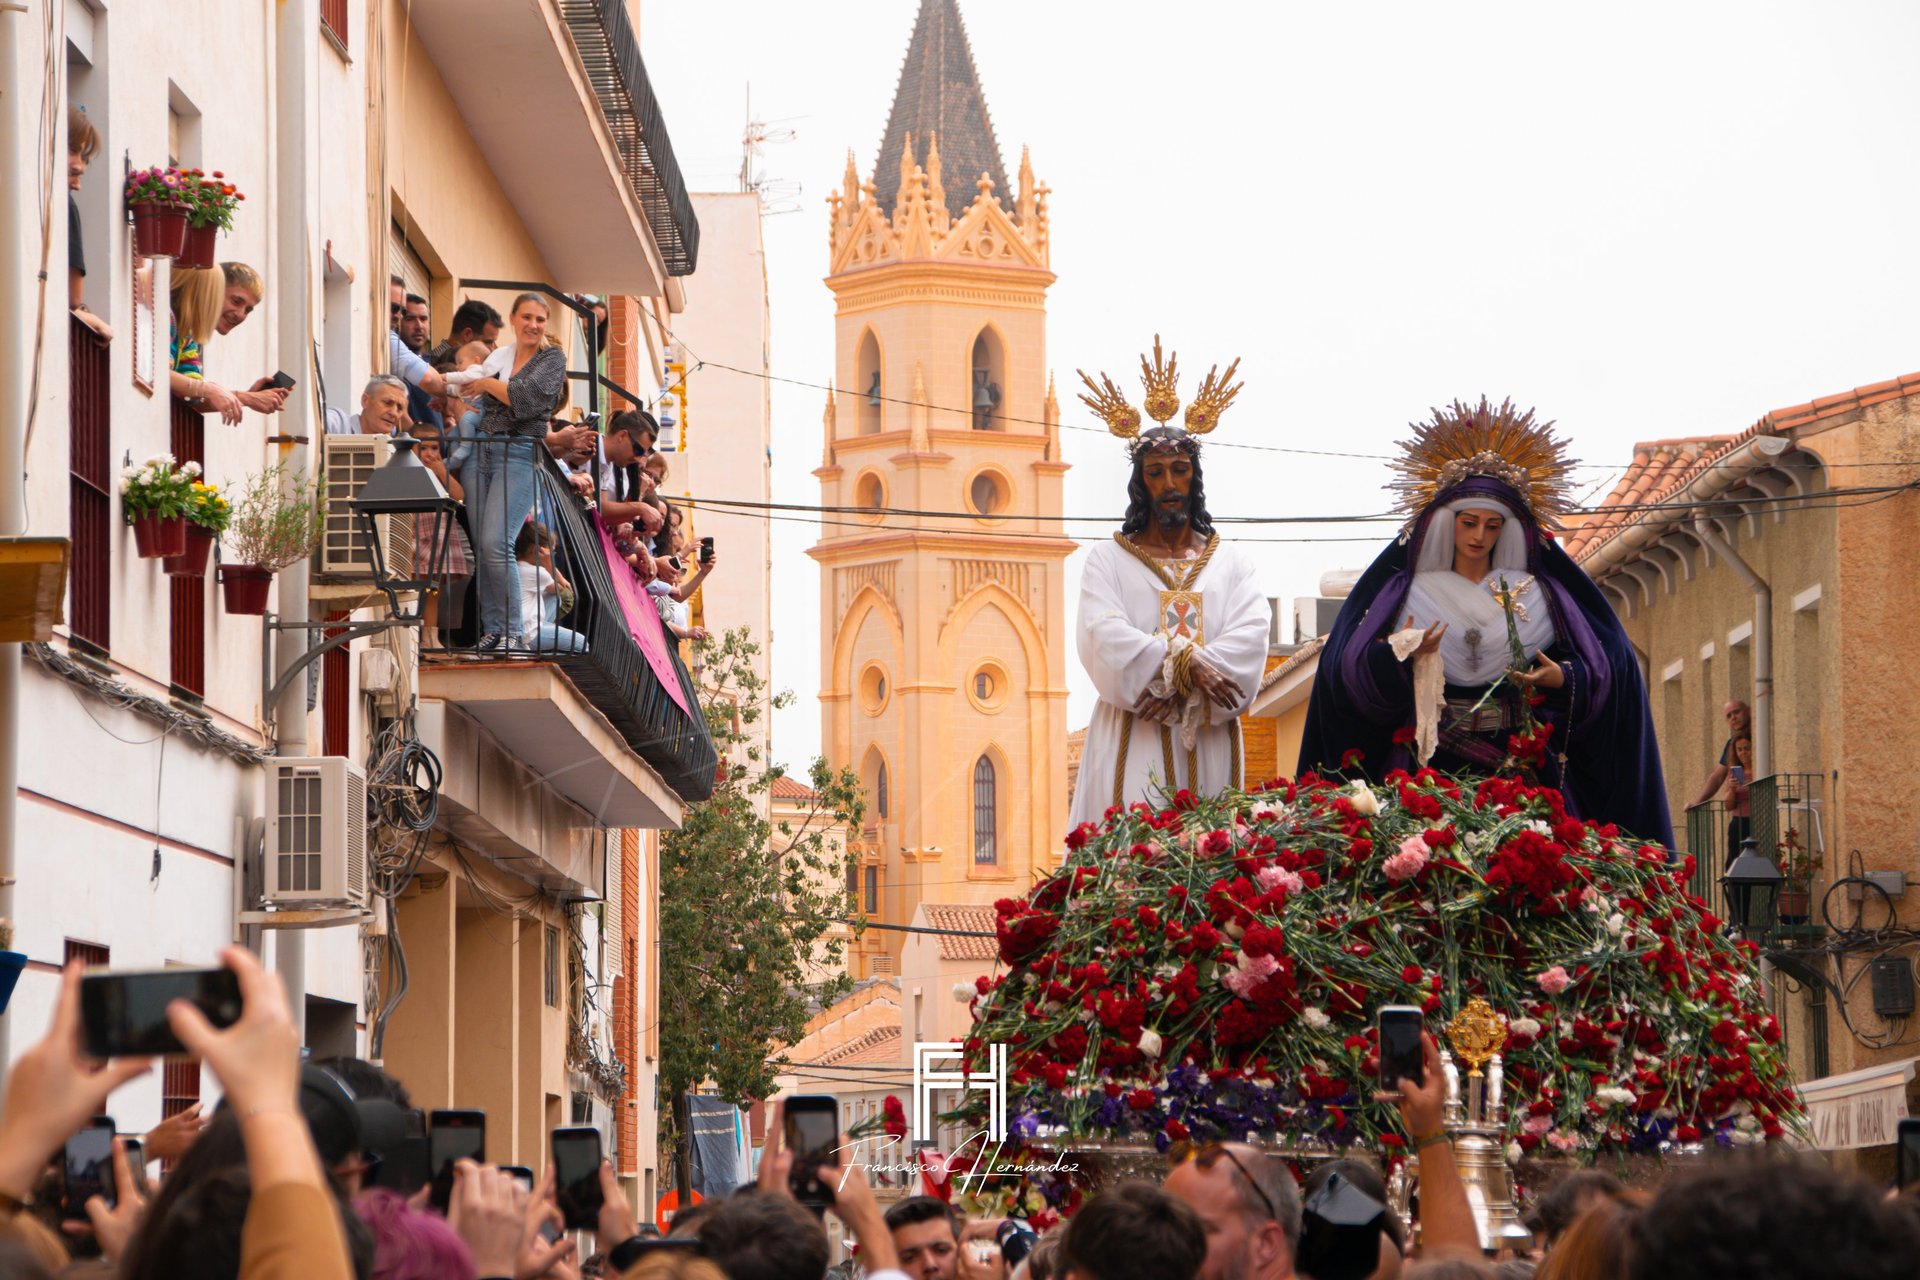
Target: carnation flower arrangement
{"points": [[1211, 970]]}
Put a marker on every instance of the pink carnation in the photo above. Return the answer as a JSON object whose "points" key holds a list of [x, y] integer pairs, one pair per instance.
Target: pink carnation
{"points": [[1554, 980], [1409, 862], [1247, 975], [1270, 878]]}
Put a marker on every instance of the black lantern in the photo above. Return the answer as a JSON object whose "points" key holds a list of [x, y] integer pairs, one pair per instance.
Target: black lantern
{"points": [[1752, 882], [404, 493]]}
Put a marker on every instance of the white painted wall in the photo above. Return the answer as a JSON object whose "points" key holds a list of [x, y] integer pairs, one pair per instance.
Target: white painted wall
{"points": [[729, 417], [97, 781]]}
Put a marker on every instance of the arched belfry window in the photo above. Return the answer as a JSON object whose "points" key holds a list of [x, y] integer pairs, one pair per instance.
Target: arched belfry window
{"points": [[986, 382], [870, 395], [880, 802], [985, 814]]}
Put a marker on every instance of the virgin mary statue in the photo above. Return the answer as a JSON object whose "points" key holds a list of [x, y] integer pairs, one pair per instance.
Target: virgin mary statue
{"points": [[1473, 625]]}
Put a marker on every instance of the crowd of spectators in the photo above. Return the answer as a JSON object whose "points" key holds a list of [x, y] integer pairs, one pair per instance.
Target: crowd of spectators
{"points": [[280, 1182], [482, 402]]}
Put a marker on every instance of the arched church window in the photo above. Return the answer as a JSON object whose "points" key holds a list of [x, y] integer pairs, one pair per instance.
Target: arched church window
{"points": [[869, 396], [986, 377], [985, 814], [880, 792]]}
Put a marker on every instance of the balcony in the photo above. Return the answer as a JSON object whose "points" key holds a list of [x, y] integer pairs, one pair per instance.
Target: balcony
{"points": [[554, 94], [581, 705], [1786, 828]]}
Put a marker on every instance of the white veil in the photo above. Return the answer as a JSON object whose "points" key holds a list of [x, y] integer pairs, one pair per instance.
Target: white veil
{"points": [[1475, 650]]}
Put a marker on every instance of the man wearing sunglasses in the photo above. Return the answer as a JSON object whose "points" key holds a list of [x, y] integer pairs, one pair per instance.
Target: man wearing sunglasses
{"points": [[1248, 1204]]}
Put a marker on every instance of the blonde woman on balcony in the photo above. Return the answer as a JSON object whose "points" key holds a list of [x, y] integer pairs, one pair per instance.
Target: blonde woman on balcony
{"points": [[205, 303], [513, 424]]}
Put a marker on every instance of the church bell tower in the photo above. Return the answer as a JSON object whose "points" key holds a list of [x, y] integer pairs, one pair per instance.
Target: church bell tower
{"points": [[942, 586]]}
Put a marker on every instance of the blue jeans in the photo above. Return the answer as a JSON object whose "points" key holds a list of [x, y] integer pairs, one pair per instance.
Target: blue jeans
{"points": [[550, 637], [499, 504]]}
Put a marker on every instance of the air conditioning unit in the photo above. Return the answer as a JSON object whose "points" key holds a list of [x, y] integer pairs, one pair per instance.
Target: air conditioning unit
{"points": [[316, 851], [344, 555]]}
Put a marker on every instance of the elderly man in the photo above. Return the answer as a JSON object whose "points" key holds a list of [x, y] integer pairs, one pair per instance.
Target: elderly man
{"points": [[1249, 1206], [383, 409]]}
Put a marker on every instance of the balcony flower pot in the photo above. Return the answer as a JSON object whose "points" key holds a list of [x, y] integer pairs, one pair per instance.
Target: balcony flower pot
{"points": [[159, 229], [158, 537], [197, 249], [1796, 902], [245, 587], [192, 563]]}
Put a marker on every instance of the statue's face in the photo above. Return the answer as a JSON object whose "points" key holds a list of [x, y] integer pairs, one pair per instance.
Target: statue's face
{"points": [[1168, 476]]}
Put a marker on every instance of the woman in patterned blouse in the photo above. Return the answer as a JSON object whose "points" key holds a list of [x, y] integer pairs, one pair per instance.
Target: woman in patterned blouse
{"points": [[512, 426]]}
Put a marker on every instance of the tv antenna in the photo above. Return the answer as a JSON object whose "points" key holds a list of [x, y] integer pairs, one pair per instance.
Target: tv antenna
{"points": [[777, 195]]}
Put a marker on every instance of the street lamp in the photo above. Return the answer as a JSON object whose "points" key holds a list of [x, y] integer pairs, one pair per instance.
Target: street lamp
{"points": [[404, 490], [401, 490], [1749, 874]]}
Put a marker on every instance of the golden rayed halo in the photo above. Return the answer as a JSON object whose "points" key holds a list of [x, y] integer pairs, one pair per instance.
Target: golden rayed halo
{"points": [[1161, 378], [1504, 442]]}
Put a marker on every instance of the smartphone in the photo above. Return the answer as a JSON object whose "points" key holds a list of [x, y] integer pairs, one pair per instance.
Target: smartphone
{"points": [[125, 1014], [282, 380], [576, 1176], [1401, 1057], [88, 1165], [520, 1171], [137, 1162], [451, 1136], [811, 1130], [1739, 776], [706, 550], [1909, 1151]]}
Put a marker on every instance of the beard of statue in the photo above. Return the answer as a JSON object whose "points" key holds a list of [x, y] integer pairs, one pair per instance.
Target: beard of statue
{"points": [[1143, 514]]}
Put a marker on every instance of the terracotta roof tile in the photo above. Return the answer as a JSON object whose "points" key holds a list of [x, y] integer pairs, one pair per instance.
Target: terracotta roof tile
{"points": [[785, 788], [880, 1045], [968, 918], [1661, 468], [939, 94]]}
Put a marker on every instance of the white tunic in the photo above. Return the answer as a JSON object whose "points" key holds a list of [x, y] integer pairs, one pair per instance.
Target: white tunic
{"points": [[1123, 647]]}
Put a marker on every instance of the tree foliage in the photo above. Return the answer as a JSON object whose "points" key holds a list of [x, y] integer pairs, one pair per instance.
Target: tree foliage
{"points": [[747, 905]]}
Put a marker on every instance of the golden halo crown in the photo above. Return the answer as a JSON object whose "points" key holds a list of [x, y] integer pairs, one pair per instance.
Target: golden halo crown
{"points": [[1481, 440], [1161, 379]]}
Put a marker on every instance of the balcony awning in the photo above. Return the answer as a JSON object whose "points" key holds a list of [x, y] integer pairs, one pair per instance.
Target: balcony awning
{"points": [[530, 768], [531, 107], [1858, 1108]]}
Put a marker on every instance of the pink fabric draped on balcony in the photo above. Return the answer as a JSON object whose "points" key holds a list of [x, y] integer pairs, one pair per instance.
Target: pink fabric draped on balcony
{"points": [[643, 620]]}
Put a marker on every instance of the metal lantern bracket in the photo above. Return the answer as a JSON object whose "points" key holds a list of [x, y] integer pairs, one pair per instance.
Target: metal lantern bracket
{"points": [[271, 690]]}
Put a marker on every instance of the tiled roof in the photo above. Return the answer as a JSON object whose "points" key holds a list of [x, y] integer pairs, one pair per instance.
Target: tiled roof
{"points": [[1305, 653], [968, 918], [1658, 468], [1662, 468], [880, 1046], [939, 93], [785, 788]]}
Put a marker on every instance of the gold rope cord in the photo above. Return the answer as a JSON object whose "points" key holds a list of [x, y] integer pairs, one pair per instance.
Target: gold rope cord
{"points": [[1120, 766], [1193, 766], [1166, 756], [1191, 569], [1235, 766]]}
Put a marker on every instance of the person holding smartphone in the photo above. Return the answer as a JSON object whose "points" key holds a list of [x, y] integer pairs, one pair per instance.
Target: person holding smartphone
{"points": [[1739, 795], [1446, 1218]]}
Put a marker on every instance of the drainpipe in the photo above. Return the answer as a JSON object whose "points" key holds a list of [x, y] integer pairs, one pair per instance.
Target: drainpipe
{"points": [[295, 23], [1762, 643], [14, 267]]}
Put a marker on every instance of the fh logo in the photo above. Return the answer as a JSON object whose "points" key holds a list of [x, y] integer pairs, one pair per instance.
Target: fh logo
{"points": [[927, 1077]]}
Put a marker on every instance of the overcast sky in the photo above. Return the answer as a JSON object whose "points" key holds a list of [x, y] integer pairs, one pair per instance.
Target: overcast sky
{"points": [[1647, 220]]}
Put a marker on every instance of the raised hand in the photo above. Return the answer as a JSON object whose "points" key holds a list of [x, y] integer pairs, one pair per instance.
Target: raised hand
{"points": [[1546, 673]]}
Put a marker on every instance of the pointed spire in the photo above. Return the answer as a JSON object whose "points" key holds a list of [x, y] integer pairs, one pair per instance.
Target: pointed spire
{"points": [[1050, 414], [1025, 205], [828, 418], [917, 438], [936, 194], [907, 165], [850, 186], [939, 91]]}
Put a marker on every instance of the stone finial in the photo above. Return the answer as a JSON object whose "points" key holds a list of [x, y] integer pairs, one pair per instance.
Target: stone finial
{"points": [[1050, 414], [985, 186], [906, 164], [1025, 204], [828, 417], [850, 187], [917, 413], [936, 193]]}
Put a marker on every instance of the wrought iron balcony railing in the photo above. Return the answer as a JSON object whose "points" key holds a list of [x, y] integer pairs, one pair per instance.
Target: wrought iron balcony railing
{"points": [[611, 55]]}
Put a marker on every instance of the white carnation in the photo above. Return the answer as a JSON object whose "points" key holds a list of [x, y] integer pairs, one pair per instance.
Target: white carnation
{"points": [[1150, 1042], [1365, 803], [1524, 1027], [1316, 1018], [963, 992]]}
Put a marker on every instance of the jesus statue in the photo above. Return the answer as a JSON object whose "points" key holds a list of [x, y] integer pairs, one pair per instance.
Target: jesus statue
{"points": [[1171, 627]]}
